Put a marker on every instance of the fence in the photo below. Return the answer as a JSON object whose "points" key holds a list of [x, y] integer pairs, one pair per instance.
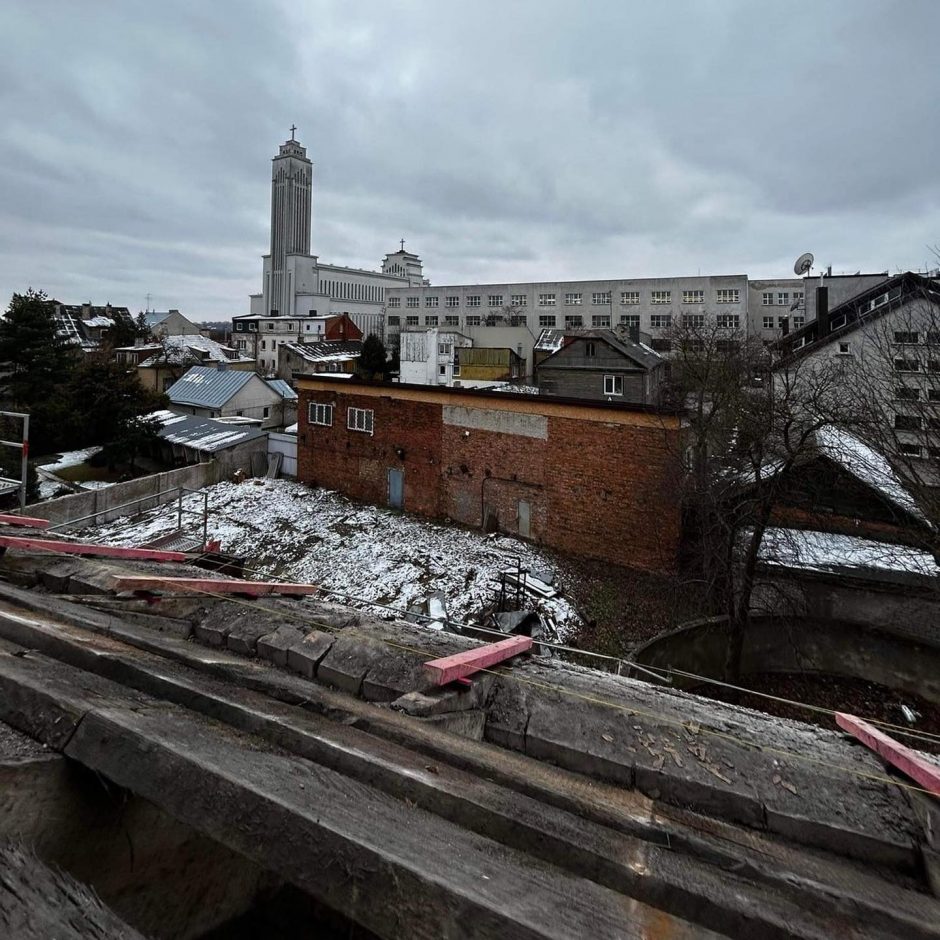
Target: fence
{"points": [[286, 446]]}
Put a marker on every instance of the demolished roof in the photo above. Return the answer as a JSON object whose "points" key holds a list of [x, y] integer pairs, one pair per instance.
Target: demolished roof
{"points": [[203, 434]]}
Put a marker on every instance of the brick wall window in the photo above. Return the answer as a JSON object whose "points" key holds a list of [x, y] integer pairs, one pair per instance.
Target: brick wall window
{"points": [[495, 300], [394, 301], [520, 300], [452, 302], [546, 319], [661, 297], [431, 301], [630, 319], [320, 414], [613, 385], [546, 300], [572, 300], [728, 321], [727, 296], [693, 296], [768, 323], [413, 302], [659, 321], [473, 300], [360, 419], [767, 298], [629, 297], [600, 297]]}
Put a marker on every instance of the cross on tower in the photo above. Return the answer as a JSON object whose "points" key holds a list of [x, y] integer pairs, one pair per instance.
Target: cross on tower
{"points": [[403, 244], [293, 127]]}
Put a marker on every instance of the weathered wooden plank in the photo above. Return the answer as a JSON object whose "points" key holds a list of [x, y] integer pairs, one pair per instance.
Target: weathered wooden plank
{"points": [[27, 522], [909, 762], [86, 548], [452, 668], [209, 585]]}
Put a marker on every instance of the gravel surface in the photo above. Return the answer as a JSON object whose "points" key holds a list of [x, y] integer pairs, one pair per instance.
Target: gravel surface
{"points": [[14, 745]]}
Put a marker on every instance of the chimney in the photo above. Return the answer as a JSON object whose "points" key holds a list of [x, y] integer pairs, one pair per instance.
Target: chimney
{"points": [[785, 325], [633, 331], [822, 312]]}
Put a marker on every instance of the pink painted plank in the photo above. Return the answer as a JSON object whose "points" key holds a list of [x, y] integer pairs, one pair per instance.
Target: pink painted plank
{"points": [[208, 585], [87, 548], [26, 521], [909, 762], [451, 668]]}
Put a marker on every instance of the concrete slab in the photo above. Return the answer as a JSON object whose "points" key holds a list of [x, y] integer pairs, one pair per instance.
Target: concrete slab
{"points": [[306, 655]]}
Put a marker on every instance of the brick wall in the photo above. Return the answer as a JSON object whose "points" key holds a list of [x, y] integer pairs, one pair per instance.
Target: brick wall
{"points": [[597, 482]]}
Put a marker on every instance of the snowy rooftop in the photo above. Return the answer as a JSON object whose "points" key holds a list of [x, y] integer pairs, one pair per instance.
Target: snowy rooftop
{"points": [[176, 350], [204, 434]]}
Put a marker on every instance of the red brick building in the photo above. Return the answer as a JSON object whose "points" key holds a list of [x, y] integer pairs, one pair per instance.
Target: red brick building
{"points": [[590, 478]]}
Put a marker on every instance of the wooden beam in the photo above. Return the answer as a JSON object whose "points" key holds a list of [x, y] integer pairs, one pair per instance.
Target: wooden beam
{"points": [[453, 668], [208, 585], [909, 762], [88, 548], [28, 522]]}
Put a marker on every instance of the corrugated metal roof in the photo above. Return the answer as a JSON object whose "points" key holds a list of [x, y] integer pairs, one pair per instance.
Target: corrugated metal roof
{"points": [[206, 435], [206, 387], [282, 388]]}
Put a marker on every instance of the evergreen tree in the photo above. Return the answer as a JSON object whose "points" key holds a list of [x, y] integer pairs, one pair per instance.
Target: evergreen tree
{"points": [[372, 359]]}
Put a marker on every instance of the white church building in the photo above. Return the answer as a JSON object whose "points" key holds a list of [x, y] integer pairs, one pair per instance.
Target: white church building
{"points": [[297, 290]]}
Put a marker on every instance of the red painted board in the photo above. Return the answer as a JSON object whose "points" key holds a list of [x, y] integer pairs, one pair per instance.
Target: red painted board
{"points": [[208, 585], [451, 668], [28, 522], [909, 762], [86, 548]]}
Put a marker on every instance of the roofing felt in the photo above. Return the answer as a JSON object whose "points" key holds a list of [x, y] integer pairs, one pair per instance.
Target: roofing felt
{"points": [[203, 434], [208, 387]]}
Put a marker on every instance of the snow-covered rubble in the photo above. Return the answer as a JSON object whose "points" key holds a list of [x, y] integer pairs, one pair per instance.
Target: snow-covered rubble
{"points": [[288, 530]]}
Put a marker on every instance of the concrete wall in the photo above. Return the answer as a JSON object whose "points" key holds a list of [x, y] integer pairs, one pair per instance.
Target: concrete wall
{"points": [[595, 481], [803, 645]]}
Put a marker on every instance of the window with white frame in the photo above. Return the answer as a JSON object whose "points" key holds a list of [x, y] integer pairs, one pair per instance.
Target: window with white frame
{"points": [[600, 319], [394, 302], [783, 298], [727, 296], [431, 301], [845, 349], [693, 320], [768, 323], [546, 300], [546, 319], [659, 321], [473, 300], [473, 320], [518, 319], [629, 297], [629, 319], [360, 419], [442, 371], [495, 300], [430, 320], [767, 298], [661, 297], [693, 296], [572, 300], [600, 297], [520, 300], [452, 301], [320, 414], [411, 320], [413, 302], [728, 321], [574, 320], [443, 349], [613, 385], [452, 320]]}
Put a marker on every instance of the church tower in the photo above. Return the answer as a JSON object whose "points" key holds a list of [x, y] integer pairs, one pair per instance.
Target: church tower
{"points": [[291, 185]]}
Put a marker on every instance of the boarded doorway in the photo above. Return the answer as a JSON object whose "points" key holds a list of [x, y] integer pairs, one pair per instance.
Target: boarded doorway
{"points": [[396, 488]]}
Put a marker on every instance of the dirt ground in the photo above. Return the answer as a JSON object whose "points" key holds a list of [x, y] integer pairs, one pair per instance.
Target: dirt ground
{"points": [[855, 696]]}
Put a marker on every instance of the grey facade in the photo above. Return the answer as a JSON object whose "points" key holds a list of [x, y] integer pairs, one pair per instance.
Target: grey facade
{"points": [[600, 366]]}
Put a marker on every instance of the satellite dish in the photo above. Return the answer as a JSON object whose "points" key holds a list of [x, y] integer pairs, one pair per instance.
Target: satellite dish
{"points": [[803, 264]]}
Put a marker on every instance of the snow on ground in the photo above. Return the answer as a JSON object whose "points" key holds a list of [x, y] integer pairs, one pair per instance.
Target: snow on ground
{"points": [[822, 551], [290, 531], [71, 458]]}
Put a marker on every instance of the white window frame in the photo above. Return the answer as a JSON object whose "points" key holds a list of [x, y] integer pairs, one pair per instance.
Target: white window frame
{"points": [[320, 413], [452, 302], [768, 323], [601, 320], [431, 301], [693, 296], [547, 320], [413, 303], [783, 298], [629, 297], [767, 298], [660, 321], [600, 298], [411, 319], [394, 302], [572, 299], [661, 297], [727, 295], [611, 384], [360, 419], [473, 300], [728, 321], [494, 300], [630, 319], [520, 300], [546, 300]]}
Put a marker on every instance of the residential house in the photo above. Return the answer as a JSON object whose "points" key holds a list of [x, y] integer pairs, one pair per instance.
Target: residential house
{"points": [[427, 357], [337, 358], [88, 326], [221, 392], [482, 366], [599, 365], [161, 364], [169, 323]]}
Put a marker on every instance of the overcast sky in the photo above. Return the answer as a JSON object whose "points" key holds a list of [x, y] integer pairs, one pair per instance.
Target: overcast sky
{"points": [[503, 141]]}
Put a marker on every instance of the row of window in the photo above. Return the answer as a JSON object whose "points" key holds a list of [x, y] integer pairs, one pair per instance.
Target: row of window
{"points": [[658, 321], [346, 290], [906, 364], [781, 298], [782, 321], [357, 419], [913, 338], [571, 299]]}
